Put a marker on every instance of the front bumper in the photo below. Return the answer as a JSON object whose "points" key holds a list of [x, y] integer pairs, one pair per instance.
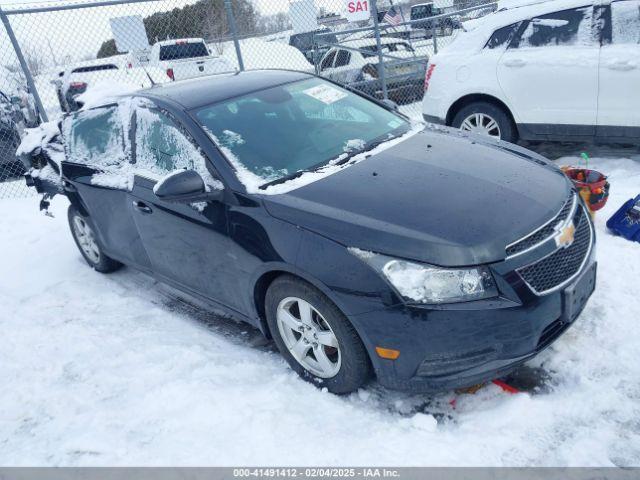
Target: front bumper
{"points": [[464, 345]]}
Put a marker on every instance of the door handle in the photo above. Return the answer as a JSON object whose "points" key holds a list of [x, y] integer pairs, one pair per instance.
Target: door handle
{"points": [[622, 65], [515, 62], [142, 207]]}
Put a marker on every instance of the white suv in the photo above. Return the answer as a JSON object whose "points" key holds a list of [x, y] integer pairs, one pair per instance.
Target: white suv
{"points": [[554, 70]]}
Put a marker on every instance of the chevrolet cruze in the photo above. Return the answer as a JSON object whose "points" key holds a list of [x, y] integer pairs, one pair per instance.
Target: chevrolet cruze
{"points": [[363, 244]]}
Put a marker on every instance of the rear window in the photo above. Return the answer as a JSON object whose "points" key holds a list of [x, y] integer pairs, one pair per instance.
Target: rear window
{"points": [[372, 50], [179, 51], [305, 41], [421, 11], [93, 68]]}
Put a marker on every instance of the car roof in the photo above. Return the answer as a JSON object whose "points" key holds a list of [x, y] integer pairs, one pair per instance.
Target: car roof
{"points": [[526, 9], [422, 4], [202, 91]]}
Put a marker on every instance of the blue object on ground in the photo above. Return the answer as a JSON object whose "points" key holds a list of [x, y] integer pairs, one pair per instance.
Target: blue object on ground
{"points": [[626, 221]]}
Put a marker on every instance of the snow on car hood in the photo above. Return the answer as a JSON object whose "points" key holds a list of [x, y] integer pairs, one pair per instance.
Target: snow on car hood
{"points": [[439, 198]]}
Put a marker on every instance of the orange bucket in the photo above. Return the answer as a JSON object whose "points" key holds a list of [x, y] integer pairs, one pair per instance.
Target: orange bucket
{"points": [[592, 185]]}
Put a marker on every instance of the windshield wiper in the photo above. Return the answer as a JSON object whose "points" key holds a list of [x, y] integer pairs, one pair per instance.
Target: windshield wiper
{"points": [[342, 161], [286, 178], [367, 148]]}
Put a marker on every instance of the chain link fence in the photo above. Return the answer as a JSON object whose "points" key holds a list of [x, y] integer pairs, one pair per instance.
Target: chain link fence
{"points": [[52, 55]]}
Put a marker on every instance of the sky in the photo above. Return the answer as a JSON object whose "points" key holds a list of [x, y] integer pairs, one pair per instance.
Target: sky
{"points": [[79, 33]]}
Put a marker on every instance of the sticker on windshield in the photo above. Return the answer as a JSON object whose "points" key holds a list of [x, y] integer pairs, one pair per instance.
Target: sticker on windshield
{"points": [[395, 123], [325, 93]]}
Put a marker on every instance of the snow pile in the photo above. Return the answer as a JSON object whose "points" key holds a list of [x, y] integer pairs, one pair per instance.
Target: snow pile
{"points": [[117, 370], [354, 144], [40, 137], [213, 184], [120, 177], [509, 4], [159, 184], [46, 173], [232, 138]]}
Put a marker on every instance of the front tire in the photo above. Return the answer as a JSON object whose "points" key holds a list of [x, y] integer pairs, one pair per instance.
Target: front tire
{"points": [[484, 118], [315, 337], [83, 234]]}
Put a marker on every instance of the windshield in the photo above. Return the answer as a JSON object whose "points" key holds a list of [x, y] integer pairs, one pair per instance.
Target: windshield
{"points": [[180, 51], [302, 126]]}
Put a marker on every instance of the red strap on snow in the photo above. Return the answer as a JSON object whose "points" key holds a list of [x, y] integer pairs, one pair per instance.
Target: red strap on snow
{"points": [[505, 387]]}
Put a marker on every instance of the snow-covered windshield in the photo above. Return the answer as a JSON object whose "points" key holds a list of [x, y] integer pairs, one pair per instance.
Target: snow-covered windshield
{"points": [[297, 127]]}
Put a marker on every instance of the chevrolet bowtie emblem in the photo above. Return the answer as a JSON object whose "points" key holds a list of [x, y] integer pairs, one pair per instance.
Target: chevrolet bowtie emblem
{"points": [[566, 235]]}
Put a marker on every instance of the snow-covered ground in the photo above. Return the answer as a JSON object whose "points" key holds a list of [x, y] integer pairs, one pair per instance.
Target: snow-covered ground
{"points": [[116, 370]]}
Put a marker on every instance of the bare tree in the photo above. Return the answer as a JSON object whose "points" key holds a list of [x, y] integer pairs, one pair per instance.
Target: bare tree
{"points": [[215, 25], [35, 59]]}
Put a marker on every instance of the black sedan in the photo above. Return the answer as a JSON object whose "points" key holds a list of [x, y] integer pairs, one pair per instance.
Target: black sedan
{"points": [[361, 243]]}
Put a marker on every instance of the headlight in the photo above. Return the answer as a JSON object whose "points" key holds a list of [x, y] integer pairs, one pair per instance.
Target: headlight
{"points": [[419, 283]]}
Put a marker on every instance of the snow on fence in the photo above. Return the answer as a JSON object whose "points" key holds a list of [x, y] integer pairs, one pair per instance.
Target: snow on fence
{"points": [[51, 53]]}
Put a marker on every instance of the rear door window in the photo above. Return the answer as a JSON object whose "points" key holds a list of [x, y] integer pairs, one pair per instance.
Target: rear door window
{"points": [[565, 28], [95, 137], [502, 36], [625, 22]]}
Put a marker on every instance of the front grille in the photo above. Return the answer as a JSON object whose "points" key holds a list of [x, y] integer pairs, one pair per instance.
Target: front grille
{"points": [[564, 264], [544, 232]]}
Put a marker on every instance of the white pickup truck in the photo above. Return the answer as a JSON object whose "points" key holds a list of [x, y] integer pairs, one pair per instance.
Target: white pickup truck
{"points": [[186, 58]]}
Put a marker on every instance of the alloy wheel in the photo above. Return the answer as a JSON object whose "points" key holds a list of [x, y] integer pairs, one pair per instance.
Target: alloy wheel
{"points": [[481, 124], [86, 239], [308, 337]]}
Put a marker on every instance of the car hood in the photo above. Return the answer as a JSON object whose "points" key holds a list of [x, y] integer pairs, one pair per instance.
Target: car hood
{"points": [[442, 198]]}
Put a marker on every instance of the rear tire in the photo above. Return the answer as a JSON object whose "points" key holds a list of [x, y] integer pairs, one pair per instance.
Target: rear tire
{"points": [[321, 346], [83, 234], [488, 119]]}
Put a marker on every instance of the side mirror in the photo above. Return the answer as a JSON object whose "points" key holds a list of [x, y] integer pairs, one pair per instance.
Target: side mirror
{"points": [[185, 186], [391, 104]]}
